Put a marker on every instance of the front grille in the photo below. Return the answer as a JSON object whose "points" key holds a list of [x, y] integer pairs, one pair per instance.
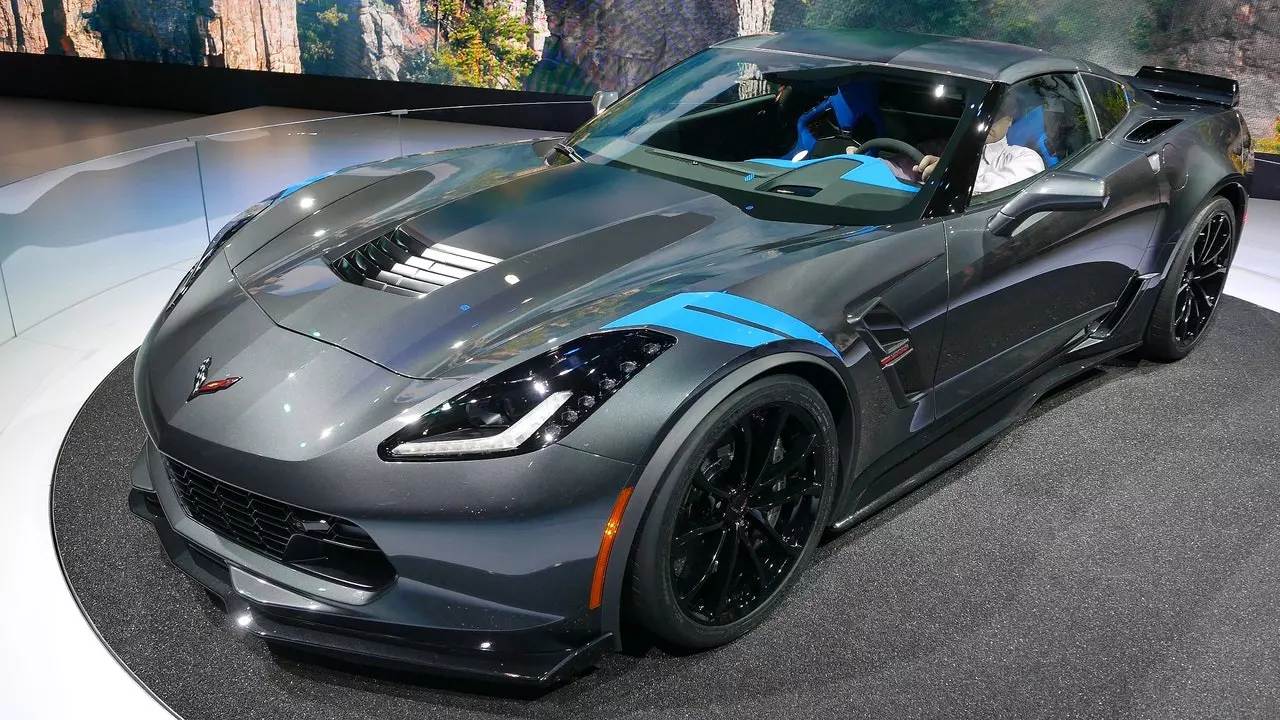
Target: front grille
{"points": [[322, 545], [399, 263]]}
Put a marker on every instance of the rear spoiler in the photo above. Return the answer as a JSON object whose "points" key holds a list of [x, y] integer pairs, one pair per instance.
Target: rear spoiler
{"points": [[1187, 86]]}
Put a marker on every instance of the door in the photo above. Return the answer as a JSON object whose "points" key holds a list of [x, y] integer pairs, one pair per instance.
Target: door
{"points": [[1016, 301]]}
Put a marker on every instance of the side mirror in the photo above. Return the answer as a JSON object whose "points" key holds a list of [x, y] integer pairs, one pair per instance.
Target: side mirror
{"points": [[1055, 191], [603, 99]]}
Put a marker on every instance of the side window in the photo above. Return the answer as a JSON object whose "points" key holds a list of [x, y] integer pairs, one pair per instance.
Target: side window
{"points": [[1041, 124], [1110, 101]]}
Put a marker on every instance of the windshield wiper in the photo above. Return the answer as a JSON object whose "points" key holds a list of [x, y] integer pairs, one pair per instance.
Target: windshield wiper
{"points": [[568, 151]]}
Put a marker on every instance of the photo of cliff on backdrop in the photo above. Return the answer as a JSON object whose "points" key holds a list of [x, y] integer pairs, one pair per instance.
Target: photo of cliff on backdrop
{"points": [[579, 46]]}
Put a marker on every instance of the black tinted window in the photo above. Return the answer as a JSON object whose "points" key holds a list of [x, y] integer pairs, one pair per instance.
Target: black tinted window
{"points": [[1110, 101]]}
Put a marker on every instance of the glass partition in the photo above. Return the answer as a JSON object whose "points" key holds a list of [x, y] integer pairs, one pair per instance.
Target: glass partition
{"points": [[7, 330], [82, 230], [431, 129], [72, 233], [242, 167]]}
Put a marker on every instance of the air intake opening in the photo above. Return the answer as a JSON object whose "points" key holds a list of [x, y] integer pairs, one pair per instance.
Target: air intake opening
{"points": [[1151, 129], [322, 545], [400, 263]]}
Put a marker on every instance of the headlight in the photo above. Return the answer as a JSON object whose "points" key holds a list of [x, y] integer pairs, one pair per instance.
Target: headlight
{"points": [[533, 404], [215, 244]]}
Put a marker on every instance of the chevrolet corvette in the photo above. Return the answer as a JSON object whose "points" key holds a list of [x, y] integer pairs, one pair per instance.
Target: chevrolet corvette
{"points": [[483, 412]]}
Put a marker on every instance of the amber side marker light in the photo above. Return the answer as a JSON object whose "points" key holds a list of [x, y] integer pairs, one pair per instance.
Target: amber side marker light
{"points": [[606, 545]]}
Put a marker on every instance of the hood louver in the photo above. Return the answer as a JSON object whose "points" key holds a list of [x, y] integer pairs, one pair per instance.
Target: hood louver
{"points": [[399, 263]]}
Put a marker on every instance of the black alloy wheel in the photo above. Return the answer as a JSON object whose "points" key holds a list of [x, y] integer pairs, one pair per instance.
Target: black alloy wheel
{"points": [[1193, 288], [1203, 277], [746, 517], [743, 511]]}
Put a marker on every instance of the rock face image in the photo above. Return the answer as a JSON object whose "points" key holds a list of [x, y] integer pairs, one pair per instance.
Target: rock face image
{"points": [[21, 29], [360, 38], [579, 46], [244, 34], [1228, 37], [67, 25], [616, 44]]}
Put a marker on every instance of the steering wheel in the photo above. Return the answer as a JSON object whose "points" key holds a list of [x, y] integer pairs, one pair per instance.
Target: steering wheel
{"points": [[897, 146]]}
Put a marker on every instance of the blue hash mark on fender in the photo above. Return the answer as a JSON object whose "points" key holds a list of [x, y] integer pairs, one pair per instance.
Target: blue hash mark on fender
{"points": [[732, 319]]}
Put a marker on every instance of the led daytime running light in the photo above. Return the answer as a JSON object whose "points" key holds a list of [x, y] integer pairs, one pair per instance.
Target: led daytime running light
{"points": [[509, 439]]}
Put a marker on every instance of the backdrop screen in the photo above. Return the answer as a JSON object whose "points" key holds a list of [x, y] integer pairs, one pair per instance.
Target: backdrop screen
{"points": [[579, 46]]}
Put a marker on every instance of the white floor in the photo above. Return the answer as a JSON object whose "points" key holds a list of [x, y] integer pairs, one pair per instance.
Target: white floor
{"points": [[52, 665]]}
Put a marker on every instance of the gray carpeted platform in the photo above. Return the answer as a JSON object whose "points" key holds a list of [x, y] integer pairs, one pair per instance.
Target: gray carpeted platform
{"points": [[1114, 554]]}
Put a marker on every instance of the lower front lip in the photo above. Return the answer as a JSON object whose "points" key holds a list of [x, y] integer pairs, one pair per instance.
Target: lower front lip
{"points": [[540, 656]]}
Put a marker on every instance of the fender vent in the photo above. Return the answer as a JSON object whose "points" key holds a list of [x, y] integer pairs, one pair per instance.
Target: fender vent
{"points": [[399, 263], [1152, 129]]}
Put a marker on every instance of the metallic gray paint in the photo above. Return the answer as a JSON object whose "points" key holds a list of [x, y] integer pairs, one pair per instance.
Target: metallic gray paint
{"points": [[500, 551]]}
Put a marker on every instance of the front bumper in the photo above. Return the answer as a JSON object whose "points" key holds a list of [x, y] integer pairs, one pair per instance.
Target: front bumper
{"points": [[355, 625]]}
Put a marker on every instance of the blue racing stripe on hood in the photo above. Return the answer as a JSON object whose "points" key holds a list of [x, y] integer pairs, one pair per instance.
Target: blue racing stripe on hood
{"points": [[683, 312]]}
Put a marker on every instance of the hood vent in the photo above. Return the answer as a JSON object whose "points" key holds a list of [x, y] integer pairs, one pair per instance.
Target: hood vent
{"points": [[1151, 129], [399, 263]]}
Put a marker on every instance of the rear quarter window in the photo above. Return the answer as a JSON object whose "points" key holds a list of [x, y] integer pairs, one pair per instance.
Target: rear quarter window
{"points": [[1110, 101]]}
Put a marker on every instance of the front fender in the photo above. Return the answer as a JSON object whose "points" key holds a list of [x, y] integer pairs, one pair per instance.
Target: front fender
{"points": [[651, 489]]}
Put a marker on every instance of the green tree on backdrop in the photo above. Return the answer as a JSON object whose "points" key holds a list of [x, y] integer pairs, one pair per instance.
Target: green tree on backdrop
{"points": [[1025, 22], [320, 25], [481, 45], [1159, 24]]}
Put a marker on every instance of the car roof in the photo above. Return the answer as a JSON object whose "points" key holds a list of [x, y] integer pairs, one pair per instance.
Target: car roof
{"points": [[962, 57]]}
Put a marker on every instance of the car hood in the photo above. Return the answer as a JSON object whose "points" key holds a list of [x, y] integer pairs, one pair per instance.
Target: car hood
{"points": [[575, 246]]}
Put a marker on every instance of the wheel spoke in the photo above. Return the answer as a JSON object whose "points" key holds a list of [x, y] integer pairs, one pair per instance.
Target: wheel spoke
{"points": [[1217, 246], [730, 566], [762, 452], [771, 534], [698, 532], [1204, 305], [785, 497], [744, 448], [1206, 274], [789, 462], [704, 484], [711, 568], [761, 573], [1185, 313]]}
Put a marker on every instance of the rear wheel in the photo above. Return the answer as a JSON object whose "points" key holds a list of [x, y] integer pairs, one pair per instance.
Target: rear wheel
{"points": [[1191, 292], [739, 516]]}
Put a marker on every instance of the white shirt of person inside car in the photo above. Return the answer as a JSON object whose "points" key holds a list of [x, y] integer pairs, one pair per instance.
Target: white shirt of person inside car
{"points": [[1001, 165]]}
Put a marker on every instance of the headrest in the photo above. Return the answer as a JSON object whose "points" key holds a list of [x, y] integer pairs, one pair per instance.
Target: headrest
{"points": [[1028, 129], [854, 100]]}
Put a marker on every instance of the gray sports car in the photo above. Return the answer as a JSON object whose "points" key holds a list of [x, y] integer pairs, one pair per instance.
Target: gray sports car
{"points": [[483, 411]]}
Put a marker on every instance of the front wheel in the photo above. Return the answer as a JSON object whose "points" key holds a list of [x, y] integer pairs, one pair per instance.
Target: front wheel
{"points": [[1193, 288], [741, 513]]}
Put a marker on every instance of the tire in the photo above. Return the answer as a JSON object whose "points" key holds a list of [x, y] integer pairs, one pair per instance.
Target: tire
{"points": [[747, 569], [1191, 291]]}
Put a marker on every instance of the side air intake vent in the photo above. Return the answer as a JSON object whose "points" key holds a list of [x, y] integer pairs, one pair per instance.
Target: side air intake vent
{"points": [[1151, 129], [400, 263]]}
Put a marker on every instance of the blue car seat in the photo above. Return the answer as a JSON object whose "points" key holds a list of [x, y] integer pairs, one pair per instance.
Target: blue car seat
{"points": [[851, 103], [1029, 131]]}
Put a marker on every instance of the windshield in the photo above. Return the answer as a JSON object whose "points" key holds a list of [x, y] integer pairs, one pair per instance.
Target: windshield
{"points": [[789, 136]]}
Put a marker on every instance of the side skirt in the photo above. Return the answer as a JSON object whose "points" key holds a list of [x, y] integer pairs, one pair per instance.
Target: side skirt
{"points": [[971, 434]]}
